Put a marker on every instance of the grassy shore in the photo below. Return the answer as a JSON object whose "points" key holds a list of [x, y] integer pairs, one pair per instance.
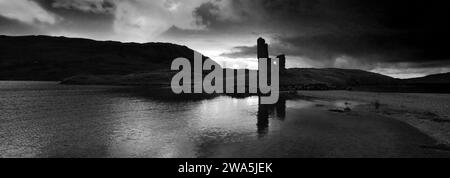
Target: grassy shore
{"points": [[430, 113]]}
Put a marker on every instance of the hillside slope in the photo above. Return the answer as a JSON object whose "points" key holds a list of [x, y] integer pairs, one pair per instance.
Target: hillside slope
{"points": [[56, 58], [431, 79], [336, 77]]}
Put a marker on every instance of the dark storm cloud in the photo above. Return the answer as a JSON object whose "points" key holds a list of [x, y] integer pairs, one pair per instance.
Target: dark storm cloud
{"points": [[94, 6], [278, 15], [207, 14], [402, 47], [80, 11], [104, 6], [92, 18], [369, 31]]}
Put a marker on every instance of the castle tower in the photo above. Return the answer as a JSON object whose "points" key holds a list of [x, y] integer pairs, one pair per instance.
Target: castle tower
{"points": [[282, 65], [263, 51]]}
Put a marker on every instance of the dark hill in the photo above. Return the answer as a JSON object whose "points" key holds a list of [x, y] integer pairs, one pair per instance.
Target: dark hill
{"points": [[436, 83], [336, 77], [431, 79], [56, 58]]}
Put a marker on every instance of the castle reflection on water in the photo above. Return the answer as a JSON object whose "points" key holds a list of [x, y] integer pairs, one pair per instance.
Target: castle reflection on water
{"points": [[275, 111]]}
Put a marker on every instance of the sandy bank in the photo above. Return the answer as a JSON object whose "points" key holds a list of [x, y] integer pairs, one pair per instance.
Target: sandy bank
{"points": [[430, 113]]}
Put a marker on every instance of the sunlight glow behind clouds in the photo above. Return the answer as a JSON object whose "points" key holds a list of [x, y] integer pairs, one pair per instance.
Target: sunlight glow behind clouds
{"points": [[25, 11], [142, 20]]}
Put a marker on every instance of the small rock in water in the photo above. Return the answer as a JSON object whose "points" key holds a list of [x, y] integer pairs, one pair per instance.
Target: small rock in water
{"points": [[347, 109], [336, 110]]}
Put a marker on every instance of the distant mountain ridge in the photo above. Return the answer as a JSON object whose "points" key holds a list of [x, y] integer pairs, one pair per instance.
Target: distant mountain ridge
{"points": [[336, 77], [435, 78]]}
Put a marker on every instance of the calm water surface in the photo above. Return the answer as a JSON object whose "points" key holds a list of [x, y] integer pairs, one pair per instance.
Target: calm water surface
{"points": [[44, 119]]}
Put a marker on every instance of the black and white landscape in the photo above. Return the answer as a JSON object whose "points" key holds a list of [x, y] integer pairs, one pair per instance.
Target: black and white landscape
{"points": [[91, 78]]}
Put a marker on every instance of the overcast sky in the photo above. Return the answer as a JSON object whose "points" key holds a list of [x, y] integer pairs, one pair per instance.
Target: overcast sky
{"points": [[407, 38]]}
